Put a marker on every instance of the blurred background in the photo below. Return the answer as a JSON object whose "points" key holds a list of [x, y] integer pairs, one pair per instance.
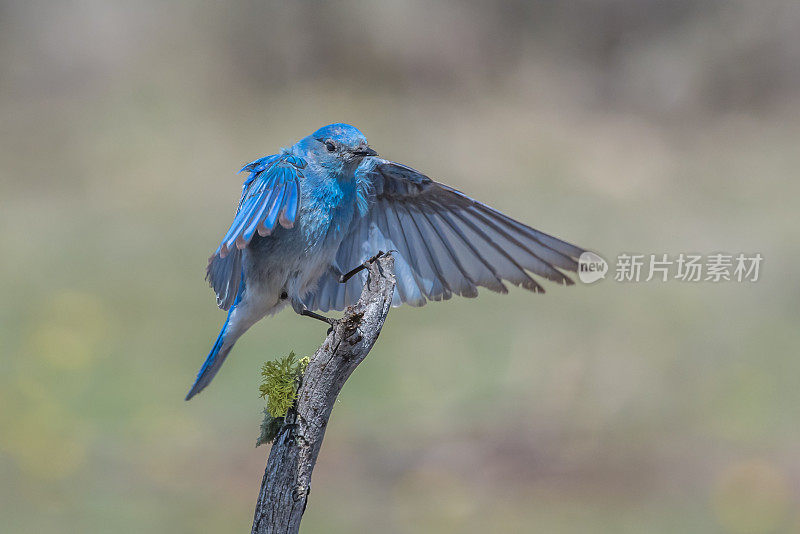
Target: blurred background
{"points": [[622, 126]]}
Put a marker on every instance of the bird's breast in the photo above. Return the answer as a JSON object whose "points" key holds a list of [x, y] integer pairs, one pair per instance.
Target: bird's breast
{"points": [[326, 210], [295, 258]]}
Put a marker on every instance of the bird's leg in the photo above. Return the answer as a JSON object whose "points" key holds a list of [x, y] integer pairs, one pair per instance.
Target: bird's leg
{"points": [[347, 276], [308, 313], [318, 317]]}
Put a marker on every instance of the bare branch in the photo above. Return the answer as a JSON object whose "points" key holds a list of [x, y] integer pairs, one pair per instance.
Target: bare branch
{"points": [[287, 478]]}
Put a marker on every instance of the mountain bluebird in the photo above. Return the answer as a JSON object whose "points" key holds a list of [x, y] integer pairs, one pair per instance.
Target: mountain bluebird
{"points": [[329, 203]]}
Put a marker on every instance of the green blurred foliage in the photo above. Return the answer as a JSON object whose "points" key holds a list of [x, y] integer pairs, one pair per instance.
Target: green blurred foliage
{"points": [[621, 126]]}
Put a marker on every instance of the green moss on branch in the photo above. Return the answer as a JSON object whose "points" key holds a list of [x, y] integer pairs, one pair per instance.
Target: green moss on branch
{"points": [[280, 380]]}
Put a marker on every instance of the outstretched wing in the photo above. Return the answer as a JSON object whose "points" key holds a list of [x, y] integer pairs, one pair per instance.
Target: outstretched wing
{"points": [[446, 243], [270, 196]]}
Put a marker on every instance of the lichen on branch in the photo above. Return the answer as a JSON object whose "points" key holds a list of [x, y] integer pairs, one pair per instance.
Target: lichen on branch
{"points": [[280, 380]]}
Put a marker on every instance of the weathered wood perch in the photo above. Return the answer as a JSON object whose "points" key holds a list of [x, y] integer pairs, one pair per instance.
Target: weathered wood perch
{"points": [[287, 478]]}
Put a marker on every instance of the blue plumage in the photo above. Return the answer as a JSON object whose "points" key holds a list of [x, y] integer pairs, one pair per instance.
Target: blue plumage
{"points": [[328, 203]]}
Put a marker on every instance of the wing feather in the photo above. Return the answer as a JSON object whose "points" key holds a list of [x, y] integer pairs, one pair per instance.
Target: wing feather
{"points": [[270, 197], [465, 282], [444, 242], [473, 257]]}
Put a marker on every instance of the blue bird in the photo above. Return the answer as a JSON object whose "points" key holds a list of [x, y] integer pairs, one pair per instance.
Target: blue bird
{"points": [[329, 203]]}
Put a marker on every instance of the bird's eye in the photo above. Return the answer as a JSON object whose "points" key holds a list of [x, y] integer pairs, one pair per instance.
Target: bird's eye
{"points": [[330, 146]]}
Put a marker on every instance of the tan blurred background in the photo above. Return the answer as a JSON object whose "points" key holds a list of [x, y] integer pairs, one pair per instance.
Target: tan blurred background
{"points": [[622, 126]]}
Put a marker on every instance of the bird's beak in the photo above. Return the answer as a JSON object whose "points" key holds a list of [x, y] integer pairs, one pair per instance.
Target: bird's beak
{"points": [[364, 152]]}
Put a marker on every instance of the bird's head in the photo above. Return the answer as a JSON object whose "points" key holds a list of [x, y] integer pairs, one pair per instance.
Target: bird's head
{"points": [[338, 147]]}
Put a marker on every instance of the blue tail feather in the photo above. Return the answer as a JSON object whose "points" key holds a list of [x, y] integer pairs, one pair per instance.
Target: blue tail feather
{"points": [[217, 356], [212, 364]]}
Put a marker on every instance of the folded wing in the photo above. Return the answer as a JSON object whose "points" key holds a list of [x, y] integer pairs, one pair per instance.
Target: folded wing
{"points": [[270, 197]]}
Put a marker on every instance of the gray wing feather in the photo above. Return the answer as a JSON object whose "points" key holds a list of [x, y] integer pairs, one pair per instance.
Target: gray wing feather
{"points": [[444, 243], [224, 276]]}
